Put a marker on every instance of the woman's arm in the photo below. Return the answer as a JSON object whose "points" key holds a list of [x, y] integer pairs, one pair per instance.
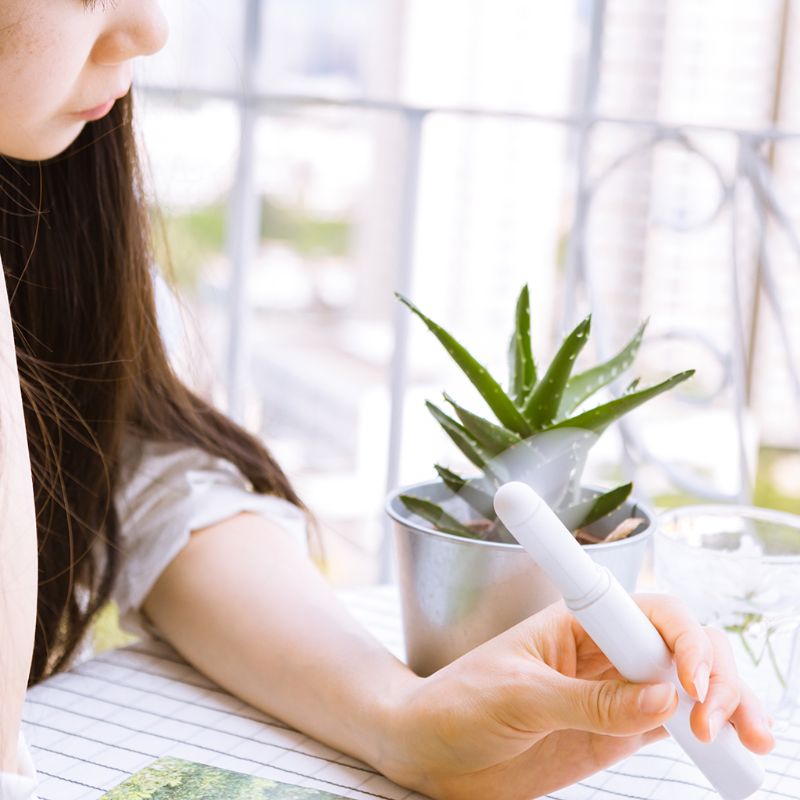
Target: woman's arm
{"points": [[528, 712], [18, 548], [248, 608]]}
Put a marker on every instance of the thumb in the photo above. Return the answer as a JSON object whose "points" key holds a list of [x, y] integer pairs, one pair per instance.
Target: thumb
{"points": [[613, 707]]}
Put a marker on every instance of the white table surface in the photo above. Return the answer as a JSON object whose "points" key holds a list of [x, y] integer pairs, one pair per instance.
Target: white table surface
{"points": [[92, 727]]}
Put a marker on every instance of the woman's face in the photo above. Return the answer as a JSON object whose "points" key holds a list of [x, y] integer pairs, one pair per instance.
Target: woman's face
{"points": [[63, 62]]}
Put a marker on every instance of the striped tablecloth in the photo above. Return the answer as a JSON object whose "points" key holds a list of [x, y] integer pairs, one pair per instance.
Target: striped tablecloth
{"points": [[92, 727]]}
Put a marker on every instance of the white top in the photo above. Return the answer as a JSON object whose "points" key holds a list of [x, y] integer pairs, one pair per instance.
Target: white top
{"points": [[166, 492], [22, 785]]}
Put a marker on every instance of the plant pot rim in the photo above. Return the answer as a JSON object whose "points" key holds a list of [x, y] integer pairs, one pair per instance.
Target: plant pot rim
{"points": [[393, 497]]}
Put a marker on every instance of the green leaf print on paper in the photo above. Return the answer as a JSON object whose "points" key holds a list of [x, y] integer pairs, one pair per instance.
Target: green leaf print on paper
{"points": [[175, 779]]}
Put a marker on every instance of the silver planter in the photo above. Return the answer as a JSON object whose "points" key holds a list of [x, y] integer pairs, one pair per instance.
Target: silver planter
{"points": [[457, 593]]}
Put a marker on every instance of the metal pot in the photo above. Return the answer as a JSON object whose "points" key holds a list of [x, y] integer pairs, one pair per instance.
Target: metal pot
{"points": [[457, 593]]}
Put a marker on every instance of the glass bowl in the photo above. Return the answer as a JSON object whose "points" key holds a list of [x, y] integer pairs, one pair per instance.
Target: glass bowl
{"points": [[738, 568]]}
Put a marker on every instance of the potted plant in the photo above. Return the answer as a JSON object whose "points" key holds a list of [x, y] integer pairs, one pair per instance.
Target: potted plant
{"points": [[462, 577]]}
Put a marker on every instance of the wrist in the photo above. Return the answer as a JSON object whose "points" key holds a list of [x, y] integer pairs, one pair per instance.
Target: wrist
{"points": [[396, 728], [404, 738]]}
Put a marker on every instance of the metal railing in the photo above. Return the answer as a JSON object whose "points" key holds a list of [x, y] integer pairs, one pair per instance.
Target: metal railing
{"points": [[753, 171]]}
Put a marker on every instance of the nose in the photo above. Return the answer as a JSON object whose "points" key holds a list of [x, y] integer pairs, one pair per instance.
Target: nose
{"points": [[134, 28]]}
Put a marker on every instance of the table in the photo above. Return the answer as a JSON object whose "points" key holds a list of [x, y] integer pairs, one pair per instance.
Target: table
{"points": [[93, 726]]}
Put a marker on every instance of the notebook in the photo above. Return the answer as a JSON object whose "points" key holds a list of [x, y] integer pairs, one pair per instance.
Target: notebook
{"points": [[176, 779]]}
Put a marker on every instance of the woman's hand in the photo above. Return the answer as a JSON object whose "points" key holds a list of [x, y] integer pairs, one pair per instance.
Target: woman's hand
{"points": [[532, 710], [540, 707]]}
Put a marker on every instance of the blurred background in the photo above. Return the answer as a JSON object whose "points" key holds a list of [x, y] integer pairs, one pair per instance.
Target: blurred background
{"points": [[310, 157]]}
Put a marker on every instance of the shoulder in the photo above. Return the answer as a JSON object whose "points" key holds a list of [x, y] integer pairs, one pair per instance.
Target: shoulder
{"points": [[165, 491], [8, 362], [16, 489], [175, 482]]}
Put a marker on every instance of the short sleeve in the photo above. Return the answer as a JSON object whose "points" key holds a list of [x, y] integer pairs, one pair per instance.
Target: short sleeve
{"points": [[20, 785], [165, 492]]}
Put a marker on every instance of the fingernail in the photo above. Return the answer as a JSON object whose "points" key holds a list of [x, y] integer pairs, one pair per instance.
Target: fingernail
{"points": [[657, 699], [700, 681], [715, 722]]}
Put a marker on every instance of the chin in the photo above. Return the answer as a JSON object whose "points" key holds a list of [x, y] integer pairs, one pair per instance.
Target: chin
{"points": [[44, 147]]}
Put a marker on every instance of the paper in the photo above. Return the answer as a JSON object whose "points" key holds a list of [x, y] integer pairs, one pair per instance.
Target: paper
{"points": [[175, 779]]}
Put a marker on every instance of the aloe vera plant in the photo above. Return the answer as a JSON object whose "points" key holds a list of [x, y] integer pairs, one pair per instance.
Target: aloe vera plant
{"points": [[532, 408]]}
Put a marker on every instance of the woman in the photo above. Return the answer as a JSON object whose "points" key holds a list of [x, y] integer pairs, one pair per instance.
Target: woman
{"points": [[143, 493]]}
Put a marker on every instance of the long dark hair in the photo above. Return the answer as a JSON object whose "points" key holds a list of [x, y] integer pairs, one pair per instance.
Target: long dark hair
{"points": [[77, 252]]}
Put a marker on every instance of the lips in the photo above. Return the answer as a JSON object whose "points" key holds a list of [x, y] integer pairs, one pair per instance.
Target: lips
{"points": [[96, 112]]}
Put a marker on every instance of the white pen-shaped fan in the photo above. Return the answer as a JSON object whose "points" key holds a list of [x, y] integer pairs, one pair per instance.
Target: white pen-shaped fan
{"points": [[623, 632]]}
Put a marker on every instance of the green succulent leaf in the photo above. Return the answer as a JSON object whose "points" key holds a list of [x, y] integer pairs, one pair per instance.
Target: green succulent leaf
{"points": [[460, 436], [491, 437], [437, 516], [583, 385], [521, 366], [501, 404], [585, 513], [542, 404], [469, 491], [598, 419]]}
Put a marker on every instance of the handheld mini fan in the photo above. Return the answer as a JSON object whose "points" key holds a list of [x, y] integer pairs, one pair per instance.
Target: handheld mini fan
{"points": [[623, 632]]}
